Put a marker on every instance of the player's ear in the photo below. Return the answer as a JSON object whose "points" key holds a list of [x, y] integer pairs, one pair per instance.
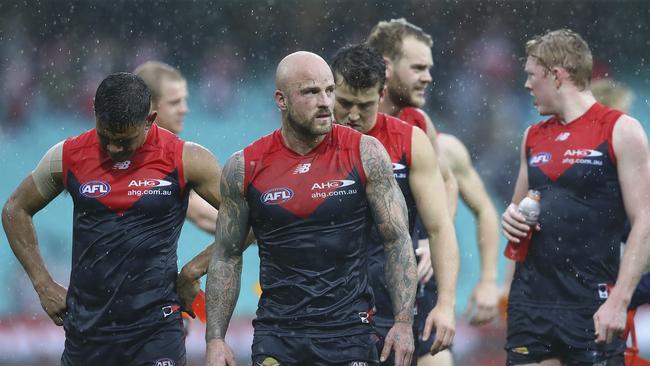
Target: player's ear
{"points": [[559, 75], [389, 67], [151, 118], [280, 100]]}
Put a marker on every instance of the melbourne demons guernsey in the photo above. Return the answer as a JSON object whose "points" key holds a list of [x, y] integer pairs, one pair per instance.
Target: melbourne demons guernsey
{"points": [[127, 219], [396, 136], [311, 219], [576, 253], [414, 117]]}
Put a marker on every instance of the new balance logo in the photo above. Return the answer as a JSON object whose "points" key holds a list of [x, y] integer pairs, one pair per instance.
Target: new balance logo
{"points": [[563, 136], [302, 168], [122, 165]]}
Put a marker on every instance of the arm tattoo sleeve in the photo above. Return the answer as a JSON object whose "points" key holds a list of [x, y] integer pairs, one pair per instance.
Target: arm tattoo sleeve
{"points": [[389, 211], [224, 271]]}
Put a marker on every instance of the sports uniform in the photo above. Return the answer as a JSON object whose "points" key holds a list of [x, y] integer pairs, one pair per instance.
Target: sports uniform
{"points": [[312, 220], [575, 257]]}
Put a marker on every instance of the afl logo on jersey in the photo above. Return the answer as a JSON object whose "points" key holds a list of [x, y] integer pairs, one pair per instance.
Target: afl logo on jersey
{"points": [[540, 159], [276, 196], [94, 189]]}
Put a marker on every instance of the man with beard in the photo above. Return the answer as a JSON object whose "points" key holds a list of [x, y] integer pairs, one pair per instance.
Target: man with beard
{"points": [[311, 191], [407, 52]]}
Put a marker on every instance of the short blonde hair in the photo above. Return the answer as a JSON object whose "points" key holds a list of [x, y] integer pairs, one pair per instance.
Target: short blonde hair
{"points": [[387, 36], [153, 72], [612, 94], [563, 48]]}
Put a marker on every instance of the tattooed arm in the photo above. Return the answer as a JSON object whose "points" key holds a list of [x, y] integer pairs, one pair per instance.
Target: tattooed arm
{"points": [[389, 211], [224, 272]]}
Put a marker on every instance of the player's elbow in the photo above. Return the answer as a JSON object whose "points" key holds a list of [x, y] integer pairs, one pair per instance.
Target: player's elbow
{"points": [[12, 211]]}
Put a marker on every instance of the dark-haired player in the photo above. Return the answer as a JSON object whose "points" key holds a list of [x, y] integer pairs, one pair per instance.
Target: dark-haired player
{"points": [[129, 181], [359, 74]]}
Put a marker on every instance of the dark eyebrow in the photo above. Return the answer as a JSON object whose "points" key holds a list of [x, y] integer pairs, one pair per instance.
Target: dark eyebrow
{"points": [[342, 100]]}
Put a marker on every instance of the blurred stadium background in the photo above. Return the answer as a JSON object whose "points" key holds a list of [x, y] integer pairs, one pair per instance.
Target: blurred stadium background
{"points": [[54, 53]]}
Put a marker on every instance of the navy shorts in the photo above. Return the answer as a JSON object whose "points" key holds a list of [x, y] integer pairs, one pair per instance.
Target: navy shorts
{"points": [[164, 346], [642, 293], [425, 300], [536, 334], [352, 350]]}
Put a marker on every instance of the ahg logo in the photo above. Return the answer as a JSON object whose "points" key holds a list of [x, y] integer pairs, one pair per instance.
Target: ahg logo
{"points": [[333, 184], [149, 183], [276, 196], [94, 189], [582, 153], [398, 166]]}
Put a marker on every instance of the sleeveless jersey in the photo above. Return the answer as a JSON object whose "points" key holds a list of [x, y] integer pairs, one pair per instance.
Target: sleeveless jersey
{"points": [[414, 117], [311, 218], [127, 219], [576, 254], [396, 136]]}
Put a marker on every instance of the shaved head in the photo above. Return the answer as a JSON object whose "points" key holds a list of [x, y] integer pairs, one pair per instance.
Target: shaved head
{"points": [[301, 66], [305, 95]]}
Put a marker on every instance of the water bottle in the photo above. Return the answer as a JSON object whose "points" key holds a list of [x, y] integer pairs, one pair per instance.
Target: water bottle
{"points": [[530, 208]]}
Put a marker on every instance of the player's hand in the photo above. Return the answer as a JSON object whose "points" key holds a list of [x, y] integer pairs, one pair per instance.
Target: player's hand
{"points": [[425, 270], [399, 339], [483, 305], [52, 296], [187, 290], [442, 319], [609, 320], [513, 224], [218, 353]]}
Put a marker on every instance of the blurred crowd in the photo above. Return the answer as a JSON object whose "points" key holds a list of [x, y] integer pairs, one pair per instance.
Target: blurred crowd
{"points": [[55, 53]]}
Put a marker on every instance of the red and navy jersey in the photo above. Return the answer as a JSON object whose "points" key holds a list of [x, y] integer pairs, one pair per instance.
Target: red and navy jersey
{"points": [[396, 136], [414, 117], [311, 218], [582, 214], [127, 219]]}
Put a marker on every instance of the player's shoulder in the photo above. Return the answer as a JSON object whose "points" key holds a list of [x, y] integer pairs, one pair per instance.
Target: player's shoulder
{"points": [[84, 139], [265, 144], [395, 123]]}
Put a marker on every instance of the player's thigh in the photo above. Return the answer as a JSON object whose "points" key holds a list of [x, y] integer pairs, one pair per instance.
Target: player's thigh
{"points": [[79, 351], [576, 331], [353, 350], [442, 358], [273, 350], [530, 336], [164, 347]]}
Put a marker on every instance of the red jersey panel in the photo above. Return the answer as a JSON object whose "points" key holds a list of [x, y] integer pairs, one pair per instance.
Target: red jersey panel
{"points": [[414, 117], [312, 220], [127, 219], [582, 214]]}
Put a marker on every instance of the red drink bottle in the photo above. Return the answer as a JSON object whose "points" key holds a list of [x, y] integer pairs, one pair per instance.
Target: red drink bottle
{"points": [[530, 208]]}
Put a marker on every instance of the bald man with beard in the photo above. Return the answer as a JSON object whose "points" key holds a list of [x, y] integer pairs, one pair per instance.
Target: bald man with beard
{"points": [[311, 191]]}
